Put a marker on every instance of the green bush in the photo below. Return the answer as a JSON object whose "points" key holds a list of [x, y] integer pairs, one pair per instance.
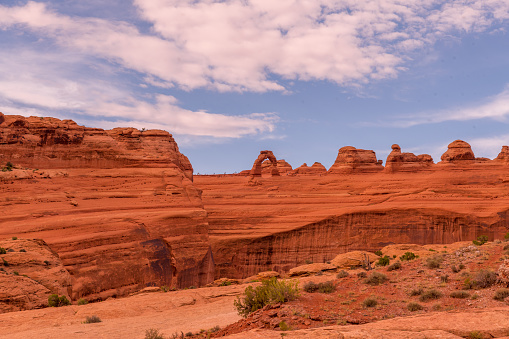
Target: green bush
{"points": [[430, 295], [481, 240], [325, 287], [22, 250], [383, 261], [14, 238], [342, 274], [370, 302], [459, 295], [395, 266], [375, 279], [82, 302], [379, 253], [55, 301], [152, 333], [408, 256], [506, 236], [3, 250], [310, 287], [475, 335], [283, 326], [271, 291], [92, 319], [412, 307], [501, 294]]}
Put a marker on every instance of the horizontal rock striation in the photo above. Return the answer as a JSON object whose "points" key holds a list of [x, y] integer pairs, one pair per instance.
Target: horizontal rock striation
{"points": [[353, 160]]}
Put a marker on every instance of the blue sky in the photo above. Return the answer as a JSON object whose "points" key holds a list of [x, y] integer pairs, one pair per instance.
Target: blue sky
{"points": [[301, 78]]}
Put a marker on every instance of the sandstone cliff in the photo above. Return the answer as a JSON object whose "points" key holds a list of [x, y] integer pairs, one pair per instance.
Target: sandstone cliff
{"points": [[398, 161], [353, 160], [117, 206]]}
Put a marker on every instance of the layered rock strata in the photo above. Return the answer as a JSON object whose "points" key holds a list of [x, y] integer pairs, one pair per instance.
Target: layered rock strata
{"points": [[256, 171], [117, 206], [400, 162], [316, 168]]}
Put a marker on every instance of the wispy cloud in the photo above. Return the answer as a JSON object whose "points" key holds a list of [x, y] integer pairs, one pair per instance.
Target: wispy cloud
{"points": [[495, 107]]}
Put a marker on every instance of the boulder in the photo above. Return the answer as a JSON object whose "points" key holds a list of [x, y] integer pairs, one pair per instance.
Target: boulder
{"points": [[316, 168], [406, 162], [458, 150], [310, 269], [353, 259]]}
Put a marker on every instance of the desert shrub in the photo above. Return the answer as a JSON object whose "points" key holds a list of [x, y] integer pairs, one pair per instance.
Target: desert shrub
{"points": [[22, 250], [164, 288], [152, 333], [430, 295], [412, 307], [192, 287], [342, 274], [481, 240], [459, 295], [375, 279], [10, 250], [3, 250], [14, 238], [501, 294], [444, 278], [283, 326], [485, 278], [395, 266], [82, 301], [506, 236], [92, 319], [189, 334], [434, 262], [461, 267], [383, 261], [370, 302], [55, 301], [5, 262], [46, 262], [361, 275], [325, 287], [454, 269], [15, 273], [271, 291], [475, 335], [408, 256], [416, 291], [468, 284], [307, 262], [379, 253]]}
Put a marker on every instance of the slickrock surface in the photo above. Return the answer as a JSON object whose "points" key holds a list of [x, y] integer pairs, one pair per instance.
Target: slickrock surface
{"points": [[280, 222], [118, 206]]}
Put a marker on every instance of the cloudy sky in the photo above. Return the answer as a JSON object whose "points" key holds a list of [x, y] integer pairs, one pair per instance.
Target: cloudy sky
{"points": [[299, 77]]}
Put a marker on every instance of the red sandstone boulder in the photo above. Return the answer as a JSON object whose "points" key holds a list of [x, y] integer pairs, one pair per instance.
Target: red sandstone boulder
{"points": [[353, 160], [458, 150], [406, 162], [316, 168]]}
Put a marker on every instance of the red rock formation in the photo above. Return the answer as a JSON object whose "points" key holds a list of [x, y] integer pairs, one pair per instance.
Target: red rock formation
{"points": [[316, 168], [41, 142], [256, 171], [282, 167], [503, 156], [406, 162], [118, 206], [458, 150], [353, 160]]}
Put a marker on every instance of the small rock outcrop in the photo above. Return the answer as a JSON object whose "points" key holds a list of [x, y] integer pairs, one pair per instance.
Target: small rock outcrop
{"points": [[406, 162], [256, 171], [316, 169], [458, 150], [503, 156], [353, 160], [282, 166]]}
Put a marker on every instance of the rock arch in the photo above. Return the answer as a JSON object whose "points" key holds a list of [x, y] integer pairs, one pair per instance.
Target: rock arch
{"points": [[256, 171]]}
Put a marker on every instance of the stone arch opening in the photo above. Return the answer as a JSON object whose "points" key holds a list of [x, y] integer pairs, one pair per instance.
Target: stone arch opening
{"points": [[256, 171]]}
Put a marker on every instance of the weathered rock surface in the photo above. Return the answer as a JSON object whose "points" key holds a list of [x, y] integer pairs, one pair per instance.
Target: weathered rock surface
{"points": [[256, 171], [316, 169], [118, 206], [29, 272], [282, 166], [353, 160], [353, 259], [311, 269], [458, 150], [503, 156], [399, 162]]}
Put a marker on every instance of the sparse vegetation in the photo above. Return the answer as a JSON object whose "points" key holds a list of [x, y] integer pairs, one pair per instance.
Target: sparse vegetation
{"points": [[152, 333], [395, 266], [412, 307], [3, 250], [485, 278], [481, 240], [475, 335], [416, 291], [459, 295], [408, 256], [82, 301], [375, 279], [434, 262], [92, 319], [342, 274], [361, 275], [8, 167], [444, 278], [55, 301], [369, 302], [22, 250], [283, 326], [501, 294], [14, 238], [271, 291], [379, 252], [325, 287], [383, 261], [430, 295]]}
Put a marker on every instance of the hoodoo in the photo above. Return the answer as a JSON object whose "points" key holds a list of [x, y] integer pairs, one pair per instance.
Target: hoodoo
{"points": [[458, 150], [353, 160], [406, 162]]}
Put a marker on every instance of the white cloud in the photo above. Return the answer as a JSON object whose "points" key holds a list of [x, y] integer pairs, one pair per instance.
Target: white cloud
{"points": [[489, 147], [495, 107]]}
